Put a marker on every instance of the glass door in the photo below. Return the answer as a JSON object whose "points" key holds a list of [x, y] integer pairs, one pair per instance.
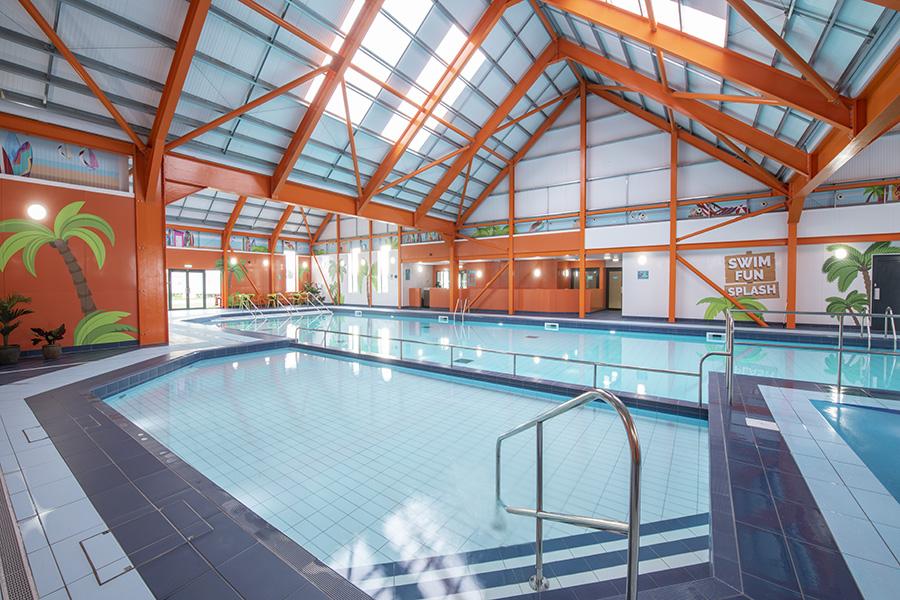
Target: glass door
{"points": [[195, 289], [178, 292]]}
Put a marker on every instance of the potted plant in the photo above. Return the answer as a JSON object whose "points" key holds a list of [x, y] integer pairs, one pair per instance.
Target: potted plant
{"points": [[9, 320], [51, 350]]}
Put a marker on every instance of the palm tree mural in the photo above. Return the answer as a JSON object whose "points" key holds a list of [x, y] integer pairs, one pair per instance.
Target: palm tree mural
{"points": [[29, 237], [845, 270], [236, 271], [855, 302], [336, 271], [719, 304], [876, 193]]}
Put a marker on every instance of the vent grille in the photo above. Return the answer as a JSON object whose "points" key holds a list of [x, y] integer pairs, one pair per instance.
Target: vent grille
{"points": [[15, 577]]}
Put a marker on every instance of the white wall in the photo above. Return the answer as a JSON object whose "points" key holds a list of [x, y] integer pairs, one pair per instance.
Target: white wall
{"points": [[420, 276]]}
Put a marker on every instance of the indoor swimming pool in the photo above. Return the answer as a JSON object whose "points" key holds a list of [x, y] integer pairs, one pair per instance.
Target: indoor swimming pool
{"points": [[560, 355], [387, 475]]}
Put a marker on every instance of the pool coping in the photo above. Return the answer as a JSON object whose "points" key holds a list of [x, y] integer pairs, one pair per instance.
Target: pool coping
{"points": [[822, 336], [82, 428]]}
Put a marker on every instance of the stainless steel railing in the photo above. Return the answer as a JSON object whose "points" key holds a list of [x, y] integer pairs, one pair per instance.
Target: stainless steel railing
{"points": [[248, 304], [889, 312], [631, 529], [514, 356]]}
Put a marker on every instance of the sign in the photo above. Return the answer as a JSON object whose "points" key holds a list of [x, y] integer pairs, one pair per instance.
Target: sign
{"points": [[751, 275], [643, 274]]}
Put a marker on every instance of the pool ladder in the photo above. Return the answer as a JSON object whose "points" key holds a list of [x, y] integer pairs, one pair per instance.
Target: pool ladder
{"points": [[631, 529]]}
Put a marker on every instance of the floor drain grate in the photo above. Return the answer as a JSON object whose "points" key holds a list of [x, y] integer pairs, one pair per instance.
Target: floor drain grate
{"points": [[532, 337], [463, 361], [15, 577]]}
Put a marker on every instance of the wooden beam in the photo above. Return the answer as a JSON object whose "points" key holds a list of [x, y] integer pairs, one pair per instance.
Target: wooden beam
{"points": [[321, 228], [768, 145], [728, 98], [548, 55], [732, 65], [351, 138], [781, 45], [178, 70], [57, 42], [488, 190], [475, 39], [232, 219], [174, 192], [756, 172], [316, 109], [273, 239]]}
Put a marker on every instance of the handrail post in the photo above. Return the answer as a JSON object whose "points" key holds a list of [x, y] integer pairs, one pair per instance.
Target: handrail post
{"points": [[729, 360], [514, 364], [840, 356], [538, 581]]}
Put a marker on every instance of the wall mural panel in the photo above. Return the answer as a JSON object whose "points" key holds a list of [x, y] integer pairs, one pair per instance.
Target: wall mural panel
{"points": [[77, 263]]}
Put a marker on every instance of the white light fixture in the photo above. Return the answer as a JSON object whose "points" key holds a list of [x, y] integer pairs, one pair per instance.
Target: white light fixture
{"points": [[362, 261], [265, 262], [393, 260], [565, 272], [419, 268], [305, 264], [188, 266], [479, 273], [607, 256], [616, 258], [232, 260], [840, 253], [36, 211], [642, 259], [536, 272]]}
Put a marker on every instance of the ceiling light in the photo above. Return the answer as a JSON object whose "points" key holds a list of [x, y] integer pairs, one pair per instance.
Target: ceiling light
{"points": [[36, 212], [642, 259]]}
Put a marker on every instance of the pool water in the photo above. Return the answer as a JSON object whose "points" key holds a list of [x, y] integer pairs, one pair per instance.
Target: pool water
{"points": [[370, 467], [873, 433], [563, 347]]}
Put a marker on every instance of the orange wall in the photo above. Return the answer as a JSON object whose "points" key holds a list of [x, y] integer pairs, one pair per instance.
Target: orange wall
{"points": [[54, 300], [176, 258]]}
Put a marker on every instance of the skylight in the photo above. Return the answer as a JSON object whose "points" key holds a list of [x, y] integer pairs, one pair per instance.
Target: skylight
{"points": [[707, 23], [384, 39], [428, 78]]}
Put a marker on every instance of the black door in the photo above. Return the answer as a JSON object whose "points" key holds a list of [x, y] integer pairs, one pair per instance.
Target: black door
{"points": [[885, 286]]}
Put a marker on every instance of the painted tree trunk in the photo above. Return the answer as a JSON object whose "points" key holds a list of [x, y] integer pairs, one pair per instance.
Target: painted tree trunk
{"points": [[78, 279], [867, 281]]}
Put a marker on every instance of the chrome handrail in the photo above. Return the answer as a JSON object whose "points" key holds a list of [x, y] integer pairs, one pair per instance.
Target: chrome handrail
{"points": [[631, 529], [455, 310], [889, 312], [248, 304]]}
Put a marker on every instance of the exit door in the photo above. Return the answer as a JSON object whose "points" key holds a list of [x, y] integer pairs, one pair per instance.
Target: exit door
{"points": [[187, 289], [614, 289], [885, 286]]}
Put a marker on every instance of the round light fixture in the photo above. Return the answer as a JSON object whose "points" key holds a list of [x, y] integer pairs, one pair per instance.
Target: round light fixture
{"points": [[642, 259], [305, 264], [265, 262], [232, 260], [419, 268], [536, 272], [36, 211], [565, 272], [840, 253]]}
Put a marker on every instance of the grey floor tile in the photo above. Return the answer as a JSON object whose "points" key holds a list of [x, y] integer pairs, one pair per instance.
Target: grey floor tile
{"points": [[65, 521], [32, 532], [15, 482], [56, 493], [22, 505], [129, 586], [44, 571]]}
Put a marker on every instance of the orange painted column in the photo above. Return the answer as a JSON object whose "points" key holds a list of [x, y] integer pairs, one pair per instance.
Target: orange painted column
{"points": [[399, 267], [673, 222], [337, 268], [511, 224], [582, 204], [369, 278], [150, 251], [791, 303], [454, 272], [271, 272]]}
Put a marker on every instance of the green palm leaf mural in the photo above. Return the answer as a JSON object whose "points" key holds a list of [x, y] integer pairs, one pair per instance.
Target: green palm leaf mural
{"points": [[717, 305], [28, 237]]}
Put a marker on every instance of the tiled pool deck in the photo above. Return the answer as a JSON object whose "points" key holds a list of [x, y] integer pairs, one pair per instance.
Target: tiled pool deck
{"points": [[78, 472]]}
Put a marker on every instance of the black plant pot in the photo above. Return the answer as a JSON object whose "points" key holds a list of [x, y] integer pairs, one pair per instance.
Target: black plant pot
{"points": [[9, 355], [51, 351]]}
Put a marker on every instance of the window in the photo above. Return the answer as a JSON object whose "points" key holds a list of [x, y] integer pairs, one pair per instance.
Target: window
{"points": [[704, 20], [382, 283]]}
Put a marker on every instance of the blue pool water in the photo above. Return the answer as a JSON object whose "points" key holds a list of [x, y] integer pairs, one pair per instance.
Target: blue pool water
{"points": [[561, 348], [365, 466], [872, 433]]}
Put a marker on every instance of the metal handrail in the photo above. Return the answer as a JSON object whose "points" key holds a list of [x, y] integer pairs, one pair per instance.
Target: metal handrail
{"points": [[455, 310], [890, 317], [631, 529], [289, 306], [248, 304]]}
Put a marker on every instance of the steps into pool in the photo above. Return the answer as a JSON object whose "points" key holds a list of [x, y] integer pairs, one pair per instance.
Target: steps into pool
{"points": [[594, 562]]}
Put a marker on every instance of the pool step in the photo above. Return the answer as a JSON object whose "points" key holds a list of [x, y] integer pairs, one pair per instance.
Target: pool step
{"points": [[577, 560]]}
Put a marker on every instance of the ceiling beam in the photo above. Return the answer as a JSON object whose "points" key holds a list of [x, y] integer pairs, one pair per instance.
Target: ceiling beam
{"points": [[173, 192], [728, 98], [232, 219], [178, 70], [273, 239], [64, 134], [778, 150], [752, 170], [781, 45], [51, 34], [540, 131], [733, 66], [878, 111], [476, 38], [321, 228], [330, 83], [187, 170], [549, 55]]}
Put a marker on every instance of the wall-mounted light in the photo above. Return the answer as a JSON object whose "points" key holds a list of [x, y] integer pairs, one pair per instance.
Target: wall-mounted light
{"points": [[362, 261], [840, 253], [536, 272], [419, 268], [188, 266], [393, 260], [305, 264], [607, 256], [36, 211], [642, 259], [479, 273], [616, 258], [265, 262], [232, 260], [565, 272]]}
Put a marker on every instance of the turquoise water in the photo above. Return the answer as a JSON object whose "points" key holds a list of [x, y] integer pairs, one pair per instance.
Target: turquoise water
{"points": [[631, 350], [363, 464], [872, 433]]}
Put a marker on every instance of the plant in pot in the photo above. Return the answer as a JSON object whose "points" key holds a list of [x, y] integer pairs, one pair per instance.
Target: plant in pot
{"points": [[10, 313], [50, 349]]}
